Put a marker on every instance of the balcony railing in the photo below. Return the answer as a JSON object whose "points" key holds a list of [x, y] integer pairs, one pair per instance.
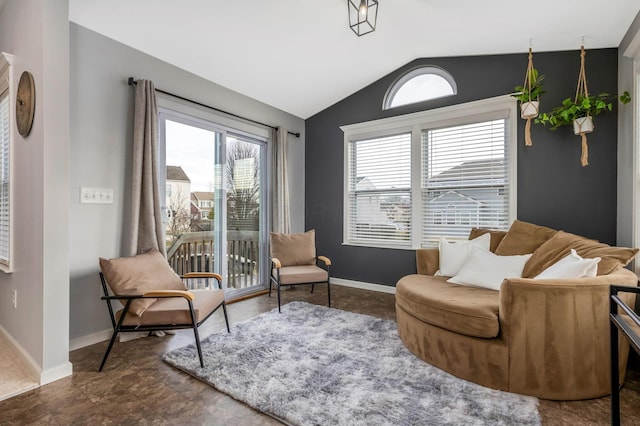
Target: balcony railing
{"points": [[194, 252]]}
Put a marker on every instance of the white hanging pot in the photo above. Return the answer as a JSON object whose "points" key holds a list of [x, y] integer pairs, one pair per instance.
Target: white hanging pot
{"points": [[583, 125], [529, 109]]}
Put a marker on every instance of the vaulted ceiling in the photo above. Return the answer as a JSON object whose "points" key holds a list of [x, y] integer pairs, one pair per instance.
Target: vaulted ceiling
{"points": [[300, 55]]}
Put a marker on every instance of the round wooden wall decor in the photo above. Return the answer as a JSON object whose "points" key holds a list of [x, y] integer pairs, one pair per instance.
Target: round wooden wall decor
{"points": [[25, 103]]}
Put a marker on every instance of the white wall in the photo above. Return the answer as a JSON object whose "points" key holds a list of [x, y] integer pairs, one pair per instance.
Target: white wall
{"points": [[627, 149], [101, 138], [36, 32]]}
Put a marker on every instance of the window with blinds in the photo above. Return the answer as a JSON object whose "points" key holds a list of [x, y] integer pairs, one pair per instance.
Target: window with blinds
{"points": [[6, 94], [465, 180], [378, 208], [432, 174]]}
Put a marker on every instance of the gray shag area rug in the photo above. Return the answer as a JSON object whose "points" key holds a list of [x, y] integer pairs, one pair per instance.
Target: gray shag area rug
{"points": [[312, 365]]}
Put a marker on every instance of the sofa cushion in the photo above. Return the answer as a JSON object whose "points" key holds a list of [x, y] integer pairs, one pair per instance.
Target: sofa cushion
{"points": [[570, 266], [523, 238], [454, 255], [294, 249], [472, 311], [496, 236], [486, 269], [562, 242]]}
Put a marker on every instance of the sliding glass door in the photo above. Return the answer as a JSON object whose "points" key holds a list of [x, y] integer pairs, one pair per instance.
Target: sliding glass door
{"points": [[214, 201]]}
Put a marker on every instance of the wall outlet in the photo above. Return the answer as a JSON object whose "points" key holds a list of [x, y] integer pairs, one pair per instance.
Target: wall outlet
{"points": [[14, 298]]}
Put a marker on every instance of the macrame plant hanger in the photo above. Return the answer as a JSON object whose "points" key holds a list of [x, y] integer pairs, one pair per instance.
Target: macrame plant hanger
{"points": [[534, 112], [582, 90]]}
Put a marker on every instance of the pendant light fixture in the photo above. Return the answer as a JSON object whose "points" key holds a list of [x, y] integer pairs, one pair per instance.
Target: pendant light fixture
{"points": [[362, 16]]}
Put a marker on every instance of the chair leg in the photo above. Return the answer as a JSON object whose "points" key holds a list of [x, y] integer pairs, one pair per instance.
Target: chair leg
{"points": [[329, 292], [106, 354], [270, 284], [226, 318], [278, 298], [195, 332], [312, 284]]}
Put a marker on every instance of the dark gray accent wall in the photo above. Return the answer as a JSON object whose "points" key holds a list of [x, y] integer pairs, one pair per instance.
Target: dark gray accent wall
{"points": [[553, 189]]}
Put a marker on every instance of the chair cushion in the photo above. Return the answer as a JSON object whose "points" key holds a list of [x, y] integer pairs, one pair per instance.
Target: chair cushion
{"points": [[523, 238], [294, 249], [472, 311], [562, 242], [302, 274], [131, 276], [175, 310]]}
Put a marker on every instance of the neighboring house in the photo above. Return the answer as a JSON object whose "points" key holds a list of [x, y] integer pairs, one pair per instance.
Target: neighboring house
{"points": [[468, 194], [204, 201], [178, 206]]}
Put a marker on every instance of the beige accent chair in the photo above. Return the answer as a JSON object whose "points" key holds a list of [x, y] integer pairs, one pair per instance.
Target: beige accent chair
{"points": [[157, 299], [294, 261]]}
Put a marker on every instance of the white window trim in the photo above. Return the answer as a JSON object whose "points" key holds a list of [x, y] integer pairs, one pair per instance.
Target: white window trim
{"points": [[404, 78], [8, 81], [497, 107]]}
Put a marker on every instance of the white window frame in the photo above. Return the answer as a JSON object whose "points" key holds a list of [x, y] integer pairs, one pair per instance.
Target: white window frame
{"points": [[7, 83], [476, 111], [410, 75]]}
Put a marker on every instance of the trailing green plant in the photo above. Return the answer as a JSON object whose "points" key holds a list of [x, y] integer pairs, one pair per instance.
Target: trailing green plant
{"points": [[582, 106], [531, 91]]}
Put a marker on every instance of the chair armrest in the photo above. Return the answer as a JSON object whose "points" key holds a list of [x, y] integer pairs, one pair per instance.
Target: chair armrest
{"points": [[325, 260], [276, 262], [171, 293], [427, 261], [203, 275]]}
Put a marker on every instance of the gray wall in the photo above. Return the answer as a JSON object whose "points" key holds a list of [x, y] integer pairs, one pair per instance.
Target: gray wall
{"points": [[553, 189], [36, 32], [101, 129], [627, 153]]}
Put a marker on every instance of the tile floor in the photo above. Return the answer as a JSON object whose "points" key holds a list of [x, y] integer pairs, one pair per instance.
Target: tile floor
{"points": [[136, 387]]}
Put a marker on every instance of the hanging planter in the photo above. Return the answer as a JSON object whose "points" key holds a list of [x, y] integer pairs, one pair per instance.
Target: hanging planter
{"points": [[529, 96], [580, 110]]}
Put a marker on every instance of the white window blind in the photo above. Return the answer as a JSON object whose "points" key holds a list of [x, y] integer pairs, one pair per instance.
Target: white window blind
{"points": [[465, 179], [4, 177], [378, 202]]}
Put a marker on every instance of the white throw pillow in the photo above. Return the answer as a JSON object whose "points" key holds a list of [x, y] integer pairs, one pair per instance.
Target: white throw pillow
{"points": [[486, 269], [454, 255], [571, 266]]}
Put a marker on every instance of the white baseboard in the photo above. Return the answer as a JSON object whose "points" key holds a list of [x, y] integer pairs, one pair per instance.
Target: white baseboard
{"points": [[366, 286], [32, 367], [90, 339], [56, 373]]}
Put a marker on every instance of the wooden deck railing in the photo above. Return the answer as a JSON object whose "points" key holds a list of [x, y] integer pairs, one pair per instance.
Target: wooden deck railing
{"points": [[194, 252]]}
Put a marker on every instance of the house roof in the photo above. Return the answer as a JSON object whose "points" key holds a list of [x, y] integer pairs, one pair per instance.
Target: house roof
{"points": [[176, 173], [322, 60], [202, 195]]}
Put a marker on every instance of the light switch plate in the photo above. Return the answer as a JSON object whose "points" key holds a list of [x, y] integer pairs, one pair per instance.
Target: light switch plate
{"points": [[96, 195]]}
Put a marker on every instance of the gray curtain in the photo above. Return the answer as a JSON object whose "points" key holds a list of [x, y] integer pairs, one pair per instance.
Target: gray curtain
{"points": [[280, 219], [147, 229]]}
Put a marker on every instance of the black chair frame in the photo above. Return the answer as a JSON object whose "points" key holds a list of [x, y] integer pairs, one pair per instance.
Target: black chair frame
{"points": [[119, 327], [276, 280]]}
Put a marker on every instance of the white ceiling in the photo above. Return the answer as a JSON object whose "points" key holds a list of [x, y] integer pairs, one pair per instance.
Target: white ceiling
{"points": [[300, 55]]}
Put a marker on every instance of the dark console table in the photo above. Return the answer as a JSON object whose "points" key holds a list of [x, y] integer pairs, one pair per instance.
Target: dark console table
{"points": [[631, 331]]}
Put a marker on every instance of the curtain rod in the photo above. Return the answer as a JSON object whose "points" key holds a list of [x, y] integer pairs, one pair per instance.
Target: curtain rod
{"points": [[133, 81]]}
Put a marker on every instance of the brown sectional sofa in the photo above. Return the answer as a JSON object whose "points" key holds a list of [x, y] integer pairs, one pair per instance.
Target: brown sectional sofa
{"points": [[545, 338]]}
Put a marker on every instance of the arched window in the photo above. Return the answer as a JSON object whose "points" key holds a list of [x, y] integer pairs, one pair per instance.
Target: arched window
{"points": [[418, 85]]}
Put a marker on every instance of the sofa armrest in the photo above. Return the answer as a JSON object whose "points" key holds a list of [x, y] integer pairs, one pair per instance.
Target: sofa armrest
{"points": [[559, 328], [427, 261]]}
